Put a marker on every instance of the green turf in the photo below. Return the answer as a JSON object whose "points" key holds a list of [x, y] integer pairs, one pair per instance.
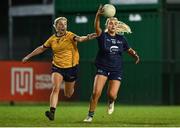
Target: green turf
{"points": [[72, 114]]}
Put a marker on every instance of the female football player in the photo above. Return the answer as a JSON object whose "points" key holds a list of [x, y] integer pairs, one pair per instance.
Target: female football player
{"points": [[108, 62], [65, 60]]}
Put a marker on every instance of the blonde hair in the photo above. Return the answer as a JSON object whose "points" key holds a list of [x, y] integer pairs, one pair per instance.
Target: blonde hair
{"points": [[121, 27], [57, 19]]}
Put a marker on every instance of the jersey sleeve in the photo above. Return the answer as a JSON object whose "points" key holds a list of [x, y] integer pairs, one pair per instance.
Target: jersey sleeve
{"points": [[47, 44], [125, 44], [72, 36]]}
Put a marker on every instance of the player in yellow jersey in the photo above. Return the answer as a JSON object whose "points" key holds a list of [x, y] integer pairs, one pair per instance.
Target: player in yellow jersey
{"points": [[65, 60]]}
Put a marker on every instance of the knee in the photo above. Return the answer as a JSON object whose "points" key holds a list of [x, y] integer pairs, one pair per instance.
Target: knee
{"points": [[69, 94], [96, 95], [56, 89], [112, 96]]}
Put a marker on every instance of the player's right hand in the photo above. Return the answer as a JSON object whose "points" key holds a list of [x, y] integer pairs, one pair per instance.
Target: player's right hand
{"points": [[25, 59], [92, 36], [100, 10]]}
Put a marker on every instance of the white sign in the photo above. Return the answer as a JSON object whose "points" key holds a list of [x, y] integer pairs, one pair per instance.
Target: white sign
{"points": [[21, 80], [81, 19], [123, 2], [135, 17]]}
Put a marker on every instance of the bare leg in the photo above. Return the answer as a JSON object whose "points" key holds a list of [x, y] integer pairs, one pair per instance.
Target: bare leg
{"points": [[99, 83], [56, 81], [69, 89], [113, 88]]}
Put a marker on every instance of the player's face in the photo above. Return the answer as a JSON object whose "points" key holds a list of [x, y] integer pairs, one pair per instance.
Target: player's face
{"points": [[61, 26], [112, 25]]}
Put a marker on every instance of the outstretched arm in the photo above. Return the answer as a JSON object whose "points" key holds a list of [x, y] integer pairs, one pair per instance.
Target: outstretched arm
{"points": [[97, 21], [134, 55], [96, 25], [37, 51], [85, 38]]}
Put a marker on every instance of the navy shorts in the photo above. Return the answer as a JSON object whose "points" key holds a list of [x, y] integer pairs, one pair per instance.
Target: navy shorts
{"points": [[112, 75], [69, 74]]}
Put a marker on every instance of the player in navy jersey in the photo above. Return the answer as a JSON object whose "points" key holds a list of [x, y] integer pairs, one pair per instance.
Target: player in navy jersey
{"points": [[109, 60]]}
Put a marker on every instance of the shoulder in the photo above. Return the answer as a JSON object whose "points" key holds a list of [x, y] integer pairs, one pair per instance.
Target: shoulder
{"points": [[52, 37], [49, 41], [102, 35], [71, 36], [122, 37], [69, 33]]}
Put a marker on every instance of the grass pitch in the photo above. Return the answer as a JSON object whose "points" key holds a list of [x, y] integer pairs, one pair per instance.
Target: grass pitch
{"points": [[72, 115]]}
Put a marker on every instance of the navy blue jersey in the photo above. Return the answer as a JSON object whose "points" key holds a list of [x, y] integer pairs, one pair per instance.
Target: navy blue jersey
{"points": [[109, 56]]}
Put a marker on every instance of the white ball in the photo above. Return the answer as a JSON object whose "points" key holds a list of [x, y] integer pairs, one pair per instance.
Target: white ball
{"points": [[109, 10]]}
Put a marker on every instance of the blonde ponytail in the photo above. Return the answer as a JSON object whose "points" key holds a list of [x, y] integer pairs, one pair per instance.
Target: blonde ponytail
{"points": [[123, 28]]}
